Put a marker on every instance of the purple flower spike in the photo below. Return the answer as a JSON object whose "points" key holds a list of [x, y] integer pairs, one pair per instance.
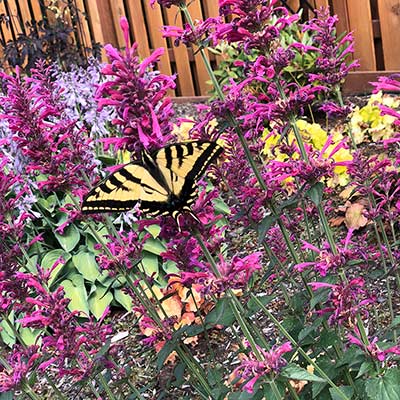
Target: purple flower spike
{"points": [[138, 96]]}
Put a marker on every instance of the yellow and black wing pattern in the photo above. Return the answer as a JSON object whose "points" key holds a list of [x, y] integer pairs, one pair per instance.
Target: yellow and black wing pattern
{"points": [[164, 182]]}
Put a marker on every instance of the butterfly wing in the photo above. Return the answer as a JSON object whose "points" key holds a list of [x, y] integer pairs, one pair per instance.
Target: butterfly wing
{"points": [[182, 164], [123, 189], [163, 184]]}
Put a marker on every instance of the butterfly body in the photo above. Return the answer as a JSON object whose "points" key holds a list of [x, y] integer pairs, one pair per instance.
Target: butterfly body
{"points": [[163, 183]]}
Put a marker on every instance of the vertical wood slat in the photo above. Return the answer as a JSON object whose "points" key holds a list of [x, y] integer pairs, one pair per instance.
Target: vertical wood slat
{"points": [[118, 11], [103, 31], [14, 17], [37, 11], [360, 21], [201, 71], [321, 3], [84, 30], [6, 29], [155, 20], [340, 9], [389, 15], [138, 26], [184, 79]]}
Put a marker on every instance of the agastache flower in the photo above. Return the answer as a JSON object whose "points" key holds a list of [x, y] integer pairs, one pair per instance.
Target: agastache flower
{"points": [[332, 53], [138, 97], [21, 363], [252, 24], [168, 3], [345, 301], [50, 143], [251, 369], [372, 348], [71, 347]]}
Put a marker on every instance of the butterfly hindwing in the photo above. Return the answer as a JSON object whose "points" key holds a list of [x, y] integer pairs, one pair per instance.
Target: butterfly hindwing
{"points": [[163, 183]]}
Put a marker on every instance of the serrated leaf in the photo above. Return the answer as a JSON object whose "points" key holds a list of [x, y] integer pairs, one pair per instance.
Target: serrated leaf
{"points": [[293, 371], [220, 206], [69, 239], [348, 391], [75, 290], [99, 300], [7, 396], [364, 368], [86, 264], [315, 193], [221, 314], [384, 387], [253, 306], [395, 322]]}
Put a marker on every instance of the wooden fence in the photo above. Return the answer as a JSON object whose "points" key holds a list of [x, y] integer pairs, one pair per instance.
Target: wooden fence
{"points": [[375, 23]]}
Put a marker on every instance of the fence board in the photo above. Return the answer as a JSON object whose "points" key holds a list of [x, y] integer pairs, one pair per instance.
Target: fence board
{"points": [[37, 11], [184, 79], [84, 30], [381, 22], [389, 12], [360, 21], [139, 29], [14, 17], [118, 11], [155, 20], [201, 71], [5, 28]]}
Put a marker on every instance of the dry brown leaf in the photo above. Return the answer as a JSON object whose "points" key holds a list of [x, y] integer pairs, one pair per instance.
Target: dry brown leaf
{"points": [[354, 217]]}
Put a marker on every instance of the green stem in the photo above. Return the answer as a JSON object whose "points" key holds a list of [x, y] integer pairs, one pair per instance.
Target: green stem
{"points": [[299, 349]]}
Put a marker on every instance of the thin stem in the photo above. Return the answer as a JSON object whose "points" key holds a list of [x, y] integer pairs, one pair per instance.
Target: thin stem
{"points": [[299, 349]]}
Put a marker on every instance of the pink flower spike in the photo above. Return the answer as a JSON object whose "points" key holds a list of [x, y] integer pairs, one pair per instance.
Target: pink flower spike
{"points": [[153, 58], [125, 29]]}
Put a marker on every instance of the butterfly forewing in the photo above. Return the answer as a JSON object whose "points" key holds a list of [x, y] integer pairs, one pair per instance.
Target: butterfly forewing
{"points": [[123, 189], [188, 160]]}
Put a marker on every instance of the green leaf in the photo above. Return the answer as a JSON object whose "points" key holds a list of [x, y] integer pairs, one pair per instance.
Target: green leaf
{"points": [[395, 322], [99, 300], [86, 264], [348, 391], [69, 239], [365, 367], [293, 371], [29, 335], [384, 387], [7, 396], [123, 299], [6, 333], [167, 349], [264, 225], [50, 258], [154, 246], [315, 193], [254, 307], [75, 290], [319, 297], [221, 314], [150, 264], [220, 206], [154, 230]]}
